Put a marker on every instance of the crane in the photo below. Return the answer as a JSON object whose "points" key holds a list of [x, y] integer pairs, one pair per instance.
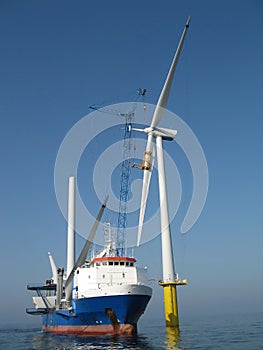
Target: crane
{"points": [[125, 168], [125, 175]]}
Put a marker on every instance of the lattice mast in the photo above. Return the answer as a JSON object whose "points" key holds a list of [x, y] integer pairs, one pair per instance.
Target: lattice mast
{"points": [[125, 176]]}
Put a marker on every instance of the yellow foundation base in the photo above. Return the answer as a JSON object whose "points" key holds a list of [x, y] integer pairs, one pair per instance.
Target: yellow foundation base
{"points": [[170, 305], [170, 302]]}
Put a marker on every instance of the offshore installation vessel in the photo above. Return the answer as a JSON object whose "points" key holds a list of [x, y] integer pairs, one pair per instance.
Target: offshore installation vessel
{"points": [[106, 295]]}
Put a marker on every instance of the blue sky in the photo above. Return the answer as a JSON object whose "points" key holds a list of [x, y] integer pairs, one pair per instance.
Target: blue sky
{"points": [[59, 57]]}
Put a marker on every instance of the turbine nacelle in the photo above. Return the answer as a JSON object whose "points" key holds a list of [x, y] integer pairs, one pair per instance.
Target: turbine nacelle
{"points": [[166, 134], [147, 159]]}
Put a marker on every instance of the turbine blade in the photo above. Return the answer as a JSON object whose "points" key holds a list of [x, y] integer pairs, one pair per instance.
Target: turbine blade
{"points": [[157, 116], [136, 129], [162, 102], [83, 255], [53, 268], [145, 189]]}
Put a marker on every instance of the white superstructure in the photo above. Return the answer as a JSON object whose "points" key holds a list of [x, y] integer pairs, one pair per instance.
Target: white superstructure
{"points": [[110, 276]]}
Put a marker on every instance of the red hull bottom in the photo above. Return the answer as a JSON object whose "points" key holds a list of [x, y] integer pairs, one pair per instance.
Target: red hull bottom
{"points": [[114, 329]]}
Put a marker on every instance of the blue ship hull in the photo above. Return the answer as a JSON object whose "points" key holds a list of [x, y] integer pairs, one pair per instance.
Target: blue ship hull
{"points": [[117, 314]]}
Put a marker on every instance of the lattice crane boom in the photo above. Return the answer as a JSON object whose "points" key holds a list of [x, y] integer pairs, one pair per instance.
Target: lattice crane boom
{"points": [[125, 168], [125, 176]]}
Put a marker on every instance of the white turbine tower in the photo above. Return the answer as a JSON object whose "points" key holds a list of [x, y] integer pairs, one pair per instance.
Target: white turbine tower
{"points": [[170, 281], [71, 264]]}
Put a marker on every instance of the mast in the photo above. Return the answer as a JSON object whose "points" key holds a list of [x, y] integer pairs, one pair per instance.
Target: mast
{"points": [[71, 231], [125, 184], [125, 175]]}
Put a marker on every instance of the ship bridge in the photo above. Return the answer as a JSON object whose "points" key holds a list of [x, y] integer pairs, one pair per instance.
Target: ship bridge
{"points": [[113, 261]]}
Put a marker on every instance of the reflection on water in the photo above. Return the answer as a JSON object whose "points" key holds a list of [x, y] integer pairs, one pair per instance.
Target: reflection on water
{"points": [[53, 341], [172, 338], [160, 340]]}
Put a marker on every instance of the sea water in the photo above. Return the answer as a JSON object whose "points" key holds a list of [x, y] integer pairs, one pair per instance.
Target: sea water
{"points": [[228, 332]]}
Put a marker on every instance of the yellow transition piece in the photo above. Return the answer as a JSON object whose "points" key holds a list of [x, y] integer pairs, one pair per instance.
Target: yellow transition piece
{"points": [[170, 302]]}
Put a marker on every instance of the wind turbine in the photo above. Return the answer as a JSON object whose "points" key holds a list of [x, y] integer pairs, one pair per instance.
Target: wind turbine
{"points": [[170, 281]]}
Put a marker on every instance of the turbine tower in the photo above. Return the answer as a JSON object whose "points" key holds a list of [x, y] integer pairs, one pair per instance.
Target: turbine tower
{"points": [[170, 279]]}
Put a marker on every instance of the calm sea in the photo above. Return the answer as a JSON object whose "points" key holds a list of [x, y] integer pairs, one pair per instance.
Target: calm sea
{"points": [[231, 332]]}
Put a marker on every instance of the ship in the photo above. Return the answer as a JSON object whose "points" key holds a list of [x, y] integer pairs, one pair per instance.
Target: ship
{"points": [[102, 296]]}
